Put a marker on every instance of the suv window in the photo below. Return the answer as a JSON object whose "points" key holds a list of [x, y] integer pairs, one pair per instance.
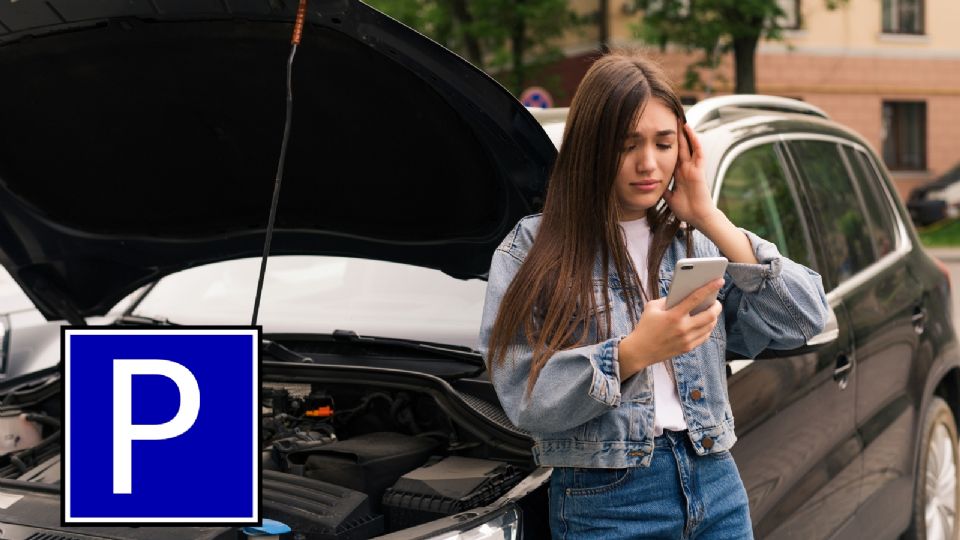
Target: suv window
{"points": [[756, 195], [877, 204], [844, 234]]}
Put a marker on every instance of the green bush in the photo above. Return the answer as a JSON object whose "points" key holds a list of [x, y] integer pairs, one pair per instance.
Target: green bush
{"points": [[942, 233]]}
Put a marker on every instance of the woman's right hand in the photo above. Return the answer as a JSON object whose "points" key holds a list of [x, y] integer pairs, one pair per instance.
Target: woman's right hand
{"points": [[662, 333]]}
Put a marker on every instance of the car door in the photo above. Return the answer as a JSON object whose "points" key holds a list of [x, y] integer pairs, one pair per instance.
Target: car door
{"points": [[798, 452], [863, 254], [887, 319]]}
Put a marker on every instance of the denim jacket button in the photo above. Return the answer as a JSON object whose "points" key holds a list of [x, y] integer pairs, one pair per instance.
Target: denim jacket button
{"points": [[707, 443], [696, 395]]}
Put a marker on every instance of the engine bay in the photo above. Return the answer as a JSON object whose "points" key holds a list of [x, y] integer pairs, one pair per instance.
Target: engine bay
{"points": [[394, 448], [338, 459]]}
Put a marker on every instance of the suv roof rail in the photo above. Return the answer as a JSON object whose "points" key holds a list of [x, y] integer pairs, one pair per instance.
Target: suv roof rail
{"points": [[709, 109]]}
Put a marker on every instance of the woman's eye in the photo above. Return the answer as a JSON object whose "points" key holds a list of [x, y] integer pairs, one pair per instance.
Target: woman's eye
{"points": [[629, 147], [664, 146]]}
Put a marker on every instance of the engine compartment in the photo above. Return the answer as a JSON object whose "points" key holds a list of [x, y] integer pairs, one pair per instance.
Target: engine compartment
{"points": [[344, 454], [395, 447]]}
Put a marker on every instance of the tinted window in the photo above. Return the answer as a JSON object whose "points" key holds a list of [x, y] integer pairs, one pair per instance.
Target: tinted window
{"points": [[882, 227], [755, 195], [844, 234]]}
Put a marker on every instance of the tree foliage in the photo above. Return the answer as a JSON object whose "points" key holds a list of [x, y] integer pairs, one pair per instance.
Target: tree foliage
{"points": [[510, 39], [715, 27]]}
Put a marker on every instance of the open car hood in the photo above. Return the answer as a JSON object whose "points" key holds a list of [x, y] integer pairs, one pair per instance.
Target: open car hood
{"points": [[142, 137]]}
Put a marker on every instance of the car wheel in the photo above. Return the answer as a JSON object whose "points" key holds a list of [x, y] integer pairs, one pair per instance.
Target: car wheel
{"points": [[938, 492]]}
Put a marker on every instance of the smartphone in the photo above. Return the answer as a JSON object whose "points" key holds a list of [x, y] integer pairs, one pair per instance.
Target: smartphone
{"points": [[691, 274]]}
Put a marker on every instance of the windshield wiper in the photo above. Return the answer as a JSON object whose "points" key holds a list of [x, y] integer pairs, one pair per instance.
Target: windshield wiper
{"points": [[282, 353], [131, 319], [451, 351], [350, 337]]}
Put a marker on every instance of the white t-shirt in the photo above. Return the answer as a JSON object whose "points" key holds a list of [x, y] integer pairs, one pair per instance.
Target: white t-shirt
{"points": [[666, 401]]}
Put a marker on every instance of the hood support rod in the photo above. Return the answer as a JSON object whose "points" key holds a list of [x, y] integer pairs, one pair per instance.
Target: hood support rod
{"points": [[295, 40]]}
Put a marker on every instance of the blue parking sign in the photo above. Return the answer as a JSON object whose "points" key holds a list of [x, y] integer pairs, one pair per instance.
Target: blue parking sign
{"points": [[161, 425]]}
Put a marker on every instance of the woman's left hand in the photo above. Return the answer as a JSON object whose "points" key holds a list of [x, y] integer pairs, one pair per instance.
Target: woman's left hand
{"points": [[690, 199]]}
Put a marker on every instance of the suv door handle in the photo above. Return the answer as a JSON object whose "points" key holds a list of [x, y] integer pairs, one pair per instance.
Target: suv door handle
{"points": [[841, 374], [919, 319]]}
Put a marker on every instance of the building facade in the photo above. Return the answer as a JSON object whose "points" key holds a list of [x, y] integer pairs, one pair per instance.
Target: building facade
{"points": [[889, 69]]}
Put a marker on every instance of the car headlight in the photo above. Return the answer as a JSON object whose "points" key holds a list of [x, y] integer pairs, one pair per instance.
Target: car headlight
{"points": [[504, 525]]}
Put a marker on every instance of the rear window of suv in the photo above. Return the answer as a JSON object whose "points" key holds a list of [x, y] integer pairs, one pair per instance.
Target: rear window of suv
{"points": [[882, 228]]}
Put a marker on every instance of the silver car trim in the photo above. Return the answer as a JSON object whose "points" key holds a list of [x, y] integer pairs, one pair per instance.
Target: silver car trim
{"points": [[831, 331], [702, 110]]}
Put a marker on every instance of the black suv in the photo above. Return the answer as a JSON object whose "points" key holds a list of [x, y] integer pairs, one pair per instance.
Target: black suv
{"points": [[853, 436], [140, 140], [856, 437]]}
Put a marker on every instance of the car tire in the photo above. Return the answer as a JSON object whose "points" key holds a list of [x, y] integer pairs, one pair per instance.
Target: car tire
{"points": [[937, 493]]}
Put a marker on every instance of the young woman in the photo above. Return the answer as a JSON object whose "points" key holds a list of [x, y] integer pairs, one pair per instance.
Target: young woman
{"points": [[626, 399]]}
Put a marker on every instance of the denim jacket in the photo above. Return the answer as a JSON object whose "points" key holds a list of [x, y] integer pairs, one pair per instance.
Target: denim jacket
{"points": [[581, 415]]}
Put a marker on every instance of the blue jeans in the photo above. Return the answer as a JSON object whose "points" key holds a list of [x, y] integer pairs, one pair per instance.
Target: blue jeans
{"points": [[680, 495]]}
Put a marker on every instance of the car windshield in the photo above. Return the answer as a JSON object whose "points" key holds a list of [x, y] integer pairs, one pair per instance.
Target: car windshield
{"points": [[12, 298], [315, 294]]}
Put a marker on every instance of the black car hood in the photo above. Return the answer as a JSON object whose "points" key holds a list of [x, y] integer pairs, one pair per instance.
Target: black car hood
{"points": [[138, 138]]}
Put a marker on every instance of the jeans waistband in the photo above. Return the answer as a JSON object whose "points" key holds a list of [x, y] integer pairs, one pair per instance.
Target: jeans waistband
{"points": [[671, 438]]}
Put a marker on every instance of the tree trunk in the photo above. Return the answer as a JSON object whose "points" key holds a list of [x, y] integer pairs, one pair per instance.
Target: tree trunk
{"points": [[603, 20], [518, 45], [744, 59], [470, 41]]}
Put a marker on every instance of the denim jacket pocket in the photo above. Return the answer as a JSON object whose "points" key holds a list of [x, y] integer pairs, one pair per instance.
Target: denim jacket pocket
{"points": [[596, 316], [599, 305], [666, 278]]}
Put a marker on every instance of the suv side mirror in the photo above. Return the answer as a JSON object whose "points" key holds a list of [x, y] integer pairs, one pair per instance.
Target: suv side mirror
{"points": [[830, 334]]}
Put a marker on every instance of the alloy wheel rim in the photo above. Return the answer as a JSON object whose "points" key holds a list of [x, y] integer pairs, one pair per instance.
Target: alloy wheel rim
{"points": [[941, 486]]}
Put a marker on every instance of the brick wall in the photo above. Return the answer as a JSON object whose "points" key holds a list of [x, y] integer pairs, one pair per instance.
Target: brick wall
{"points": [[851, 89]]}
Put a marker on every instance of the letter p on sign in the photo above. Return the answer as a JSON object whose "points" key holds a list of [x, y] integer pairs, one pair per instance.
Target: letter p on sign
{"points": [[161, 425], [125, 431]]}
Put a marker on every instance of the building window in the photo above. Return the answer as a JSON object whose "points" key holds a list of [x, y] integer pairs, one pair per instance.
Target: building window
{"points": [[903, 16], [790, 20], [905, 135]]}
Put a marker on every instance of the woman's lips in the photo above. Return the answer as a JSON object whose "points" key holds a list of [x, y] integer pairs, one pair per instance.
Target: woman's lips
{"points": [[645, 186]]}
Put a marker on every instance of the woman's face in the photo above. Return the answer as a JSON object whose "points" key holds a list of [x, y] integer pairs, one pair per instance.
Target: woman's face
{"points": [[648, 158]]}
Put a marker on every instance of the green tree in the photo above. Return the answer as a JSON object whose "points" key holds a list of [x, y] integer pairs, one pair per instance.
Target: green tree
{"points": [[715, 27], [510, 39]]}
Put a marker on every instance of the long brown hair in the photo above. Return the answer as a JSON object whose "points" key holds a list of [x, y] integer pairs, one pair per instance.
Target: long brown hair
{"points": [[551, 296]]}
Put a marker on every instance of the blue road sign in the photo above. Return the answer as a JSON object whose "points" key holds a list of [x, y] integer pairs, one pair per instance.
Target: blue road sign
{"points": [[536, 97], [161, 425]]}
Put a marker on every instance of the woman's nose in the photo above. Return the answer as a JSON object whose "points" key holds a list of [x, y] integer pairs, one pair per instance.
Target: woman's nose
{"points": [[648, 160]]}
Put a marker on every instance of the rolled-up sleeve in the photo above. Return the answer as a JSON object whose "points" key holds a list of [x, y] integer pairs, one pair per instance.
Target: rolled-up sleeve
{"points": [[776, 304], [575, 386]]}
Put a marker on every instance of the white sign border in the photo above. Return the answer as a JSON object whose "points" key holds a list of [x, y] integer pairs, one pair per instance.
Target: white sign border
{"points": [[253, 332]]}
